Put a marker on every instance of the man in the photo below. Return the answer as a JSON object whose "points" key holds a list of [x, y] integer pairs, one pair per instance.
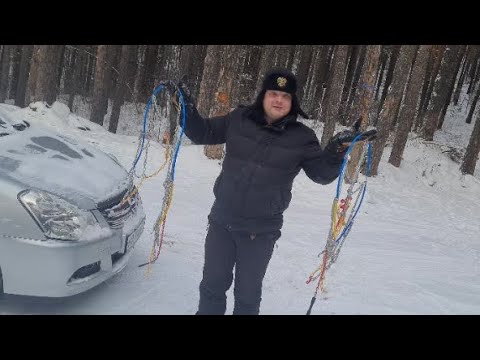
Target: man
{"points": [[266, 147]]}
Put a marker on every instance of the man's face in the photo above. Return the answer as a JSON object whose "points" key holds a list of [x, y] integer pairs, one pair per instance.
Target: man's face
{"points": [[276, 104]]}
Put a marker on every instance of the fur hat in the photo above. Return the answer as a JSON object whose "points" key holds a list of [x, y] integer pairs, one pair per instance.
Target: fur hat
{"points": [[281, 79]]}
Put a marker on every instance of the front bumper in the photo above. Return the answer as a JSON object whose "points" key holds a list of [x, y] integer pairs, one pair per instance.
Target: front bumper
{"points": [[60, 268]]}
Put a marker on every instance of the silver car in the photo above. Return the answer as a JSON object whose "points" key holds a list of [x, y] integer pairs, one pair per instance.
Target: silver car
{"points": [[63, 225]]}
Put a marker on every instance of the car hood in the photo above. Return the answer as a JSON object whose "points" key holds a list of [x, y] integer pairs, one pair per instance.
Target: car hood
{"points": [[39, 158]]}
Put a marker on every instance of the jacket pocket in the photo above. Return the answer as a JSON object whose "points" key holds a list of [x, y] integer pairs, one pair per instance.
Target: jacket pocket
{"points": [[268, 236]]}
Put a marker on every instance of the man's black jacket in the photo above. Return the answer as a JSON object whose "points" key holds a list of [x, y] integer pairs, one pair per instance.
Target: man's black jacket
{"points": [[261, 161]]}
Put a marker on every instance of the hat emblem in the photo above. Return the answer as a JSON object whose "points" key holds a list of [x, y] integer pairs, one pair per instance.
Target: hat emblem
{"points": [[281, 81]]}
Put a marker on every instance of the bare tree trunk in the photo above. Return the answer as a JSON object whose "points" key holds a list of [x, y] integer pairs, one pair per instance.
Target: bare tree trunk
{"points": [[250, 58], [89, 74], [172, 57], [451, 85], [192, 58], [473, 106], [100, 86], [407, 111], [208, 85], [471, 155], [114, 53], [69, 68], [32, 79], [352, 59], [16, 56], [206, 98], [160, 62], [320, 83], [4, 71], [334, 91], [458, 88], [392, 52], [365, 92], [48, 71], [354, 90], [186, 61], [76, 76], [25, 59], [147, 74], [365, 89], [198, 67], [419, 115], [306, 52], [472, 58], [284, 56], [171, 70], [219, 78], [436, 59], [308, 100], [174, 62], [379, 83], [60, 67], [121, 87], [392, 102], [266, 62], [391, 67], [440, 92], [474, 68], [132, 68], [316, 80], [381, 72]]}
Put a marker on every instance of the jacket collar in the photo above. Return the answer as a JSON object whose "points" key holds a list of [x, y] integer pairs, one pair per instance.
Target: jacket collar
{"points": [[278, 126]]}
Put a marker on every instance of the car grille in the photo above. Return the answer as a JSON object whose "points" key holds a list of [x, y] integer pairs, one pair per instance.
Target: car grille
{"points": [[116, 212]]}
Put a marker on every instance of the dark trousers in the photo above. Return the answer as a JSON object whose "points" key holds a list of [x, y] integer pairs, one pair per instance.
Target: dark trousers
{"points": [[250, 254]]}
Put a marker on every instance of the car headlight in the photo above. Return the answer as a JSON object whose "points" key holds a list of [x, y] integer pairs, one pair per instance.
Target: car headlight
{"points": [[59, 219]]}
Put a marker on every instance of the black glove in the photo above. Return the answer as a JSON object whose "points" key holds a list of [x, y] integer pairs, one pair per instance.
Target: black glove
{"points": [[175, 89], [339, 142], [187, 95], [183, 87], [188, 100], [170, 86]]}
